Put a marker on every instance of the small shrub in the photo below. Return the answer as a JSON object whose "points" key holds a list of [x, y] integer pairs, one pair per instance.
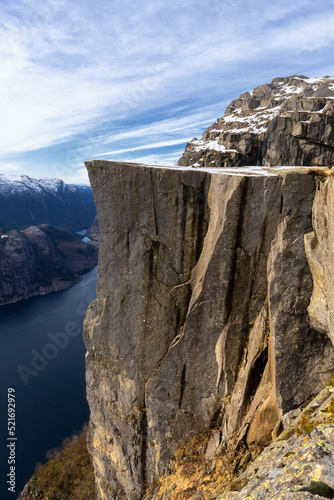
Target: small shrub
{"points": [[306, 425], [330, 410], [331, 381], [238, 484]]}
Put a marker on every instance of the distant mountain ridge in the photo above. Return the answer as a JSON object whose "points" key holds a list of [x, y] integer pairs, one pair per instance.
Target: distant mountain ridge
{"points": [[41, 259], [26, 202], [289, 121]]}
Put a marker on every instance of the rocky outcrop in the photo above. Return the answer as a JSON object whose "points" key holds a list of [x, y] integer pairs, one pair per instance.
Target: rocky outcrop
{"points": [[26, 202], [289, 121], [202, 319], [40, 260], [297, 465]]}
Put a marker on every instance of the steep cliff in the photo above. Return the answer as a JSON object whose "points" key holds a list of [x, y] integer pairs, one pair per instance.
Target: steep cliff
{"points": [[205, 313], [289, 121], [40, 260]]}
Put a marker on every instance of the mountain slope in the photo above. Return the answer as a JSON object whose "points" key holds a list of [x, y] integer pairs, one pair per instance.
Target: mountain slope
{"points": [[25, 202], [41, 260], [287, 122]]}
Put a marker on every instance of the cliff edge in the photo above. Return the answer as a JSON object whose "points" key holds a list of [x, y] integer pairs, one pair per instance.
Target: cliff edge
{"points": [[214, 311]]}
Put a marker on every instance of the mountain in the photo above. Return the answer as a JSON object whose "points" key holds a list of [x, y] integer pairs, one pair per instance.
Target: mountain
{"points": [[28, 202], [41, 259], [289, 121]]}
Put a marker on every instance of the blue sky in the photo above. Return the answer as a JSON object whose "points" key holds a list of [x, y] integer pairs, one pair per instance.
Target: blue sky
{"points": [[134, 81]]}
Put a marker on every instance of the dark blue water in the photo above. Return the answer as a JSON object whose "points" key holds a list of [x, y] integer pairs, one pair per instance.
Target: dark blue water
{"points": [[42, 358]]}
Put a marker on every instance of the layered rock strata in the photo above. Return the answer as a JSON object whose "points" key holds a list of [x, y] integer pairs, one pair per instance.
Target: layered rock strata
{"points": [[201, 319], [289, 121]]}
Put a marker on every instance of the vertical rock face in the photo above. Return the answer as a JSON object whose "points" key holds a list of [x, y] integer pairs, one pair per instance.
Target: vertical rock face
{"points": [[201, 317], [319, 248]]}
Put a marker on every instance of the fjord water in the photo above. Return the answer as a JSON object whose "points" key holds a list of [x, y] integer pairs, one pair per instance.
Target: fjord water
{"points": [[43, 359]]}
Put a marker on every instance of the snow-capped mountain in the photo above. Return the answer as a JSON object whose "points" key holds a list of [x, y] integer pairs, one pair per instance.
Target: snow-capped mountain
{"points": [[287, 122], [13, 183], [26, 202]]}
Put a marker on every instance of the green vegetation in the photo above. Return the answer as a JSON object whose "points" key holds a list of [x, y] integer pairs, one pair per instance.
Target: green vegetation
{"points": [[306, 424], [68, 473]]}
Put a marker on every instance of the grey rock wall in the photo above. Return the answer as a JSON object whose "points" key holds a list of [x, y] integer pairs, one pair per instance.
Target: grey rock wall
{"points": [[201, 318], [319, 248]]}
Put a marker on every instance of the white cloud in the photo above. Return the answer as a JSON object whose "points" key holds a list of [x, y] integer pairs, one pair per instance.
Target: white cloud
{"points": [[78, 177], [159, 159], [307, 35], [161, 128], [154, 145], [9, 167], [168, 132], [67, 66]]}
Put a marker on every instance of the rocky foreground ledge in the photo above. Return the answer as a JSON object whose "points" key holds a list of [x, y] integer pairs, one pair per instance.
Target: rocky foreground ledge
{"points": [[214, 311]]}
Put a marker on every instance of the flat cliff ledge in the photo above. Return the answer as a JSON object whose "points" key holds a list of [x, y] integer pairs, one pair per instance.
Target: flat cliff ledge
{"points": [[214, 311]]}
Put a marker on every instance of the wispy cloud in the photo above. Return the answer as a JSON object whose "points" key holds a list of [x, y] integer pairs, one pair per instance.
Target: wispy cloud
{"points": [[156, 135], [158, 128], [9, 167], [308, 35], [120, 77], [154, 145], [78, 176]]}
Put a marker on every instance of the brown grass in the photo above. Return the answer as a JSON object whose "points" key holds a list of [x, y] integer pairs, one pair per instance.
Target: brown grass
{"points": [[307, 424], [191, 474], [321, 172], [68, 473]]}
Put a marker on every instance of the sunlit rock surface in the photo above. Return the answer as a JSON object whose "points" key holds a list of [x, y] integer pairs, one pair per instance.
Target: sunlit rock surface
{"points": [[201, 319]]}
